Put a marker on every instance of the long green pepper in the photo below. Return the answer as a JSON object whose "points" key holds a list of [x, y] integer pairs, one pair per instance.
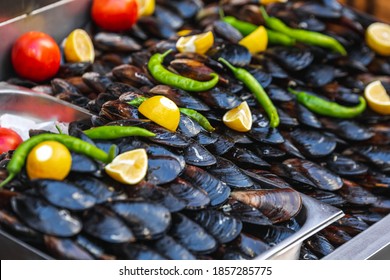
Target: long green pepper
{"points": [[246, 28], [72, 143], [166, 77], [257, 90], [305, 36], [115, 132], [327, 108]]}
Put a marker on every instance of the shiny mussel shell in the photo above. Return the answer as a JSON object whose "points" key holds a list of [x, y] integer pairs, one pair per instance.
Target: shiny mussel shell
{"points": [[222, 227], [44, 217], [191, 235], [278, 205], [65, 195], [147, 220]]}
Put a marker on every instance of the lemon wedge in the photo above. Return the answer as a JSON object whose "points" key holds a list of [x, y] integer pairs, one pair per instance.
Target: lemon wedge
{"points": [[378, 38], [146, 7], [129, 167], [377, 98], [79, 47], [256, 41], [162, 111], [199, 43], [239, 118]]}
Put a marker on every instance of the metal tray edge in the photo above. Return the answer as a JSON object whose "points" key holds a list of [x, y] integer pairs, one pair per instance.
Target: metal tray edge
{"points": [[319, 216]]}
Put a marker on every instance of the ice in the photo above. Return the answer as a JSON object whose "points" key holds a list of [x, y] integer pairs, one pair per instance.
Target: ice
{"points": [[22, 125]]}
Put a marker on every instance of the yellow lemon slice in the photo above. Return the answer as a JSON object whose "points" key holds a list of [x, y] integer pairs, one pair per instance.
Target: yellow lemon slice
{"points": [[162, 111], [239, 118], [378, 38], [49, 160], [129, 167], [377, 98], [200, 43], [146, 7], [79, 47], [266, 2], [256, 41]]}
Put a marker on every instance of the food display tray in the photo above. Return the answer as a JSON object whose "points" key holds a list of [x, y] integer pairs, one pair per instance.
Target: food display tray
{"points": [[313, 217]]}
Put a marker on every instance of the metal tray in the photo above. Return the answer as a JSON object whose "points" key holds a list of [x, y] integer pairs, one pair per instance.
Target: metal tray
{"points": [[313, 217], [373, 244]]}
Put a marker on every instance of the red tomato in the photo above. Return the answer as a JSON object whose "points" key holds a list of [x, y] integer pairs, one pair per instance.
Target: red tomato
{"points": [[114, 15], [9, 140], [36, 56]]}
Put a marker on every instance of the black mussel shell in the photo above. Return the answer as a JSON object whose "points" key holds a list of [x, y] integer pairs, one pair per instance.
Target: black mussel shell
{"points": [[163, 169], [320, 245], [235, 54], [189, 127], [195, 197], [319, 176], [65, 249], [139, 252], [45, 218], [217, 191], [249, 245], [293, 59], [147, 220], [196, 154], [105, 225], [65, 195], [167, 246], [95, 187], [345, 166], [279, 205], [228, 172], [222, 227], [245, 213], [313, 143], [191, 235]]}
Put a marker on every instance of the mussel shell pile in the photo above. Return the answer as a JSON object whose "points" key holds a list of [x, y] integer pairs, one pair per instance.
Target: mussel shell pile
{"points": [[219, 195]]}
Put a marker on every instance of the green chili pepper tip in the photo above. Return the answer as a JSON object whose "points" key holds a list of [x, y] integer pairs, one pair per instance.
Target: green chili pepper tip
{"points": [[198, 117]]}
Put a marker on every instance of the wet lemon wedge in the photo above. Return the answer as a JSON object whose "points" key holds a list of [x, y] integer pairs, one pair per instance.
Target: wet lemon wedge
{"points": [[146, 7], [79, 47], [129, 167], [162, 111], [49, 160], [200, 43], [266, 2], [377, 98], [256, 41], [378, 38], [239, 118]]}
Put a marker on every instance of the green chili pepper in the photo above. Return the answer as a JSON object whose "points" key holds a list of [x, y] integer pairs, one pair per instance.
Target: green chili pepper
{"points": [[72, 143], [193, 114], [305, 36], [115, 132], [257, 90], [246, 28], [166, 77], [136, 102], [327, 108], [198, 117]]}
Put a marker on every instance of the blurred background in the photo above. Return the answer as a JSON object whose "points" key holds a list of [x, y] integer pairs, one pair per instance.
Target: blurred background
{"points": [[379, 8]]}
